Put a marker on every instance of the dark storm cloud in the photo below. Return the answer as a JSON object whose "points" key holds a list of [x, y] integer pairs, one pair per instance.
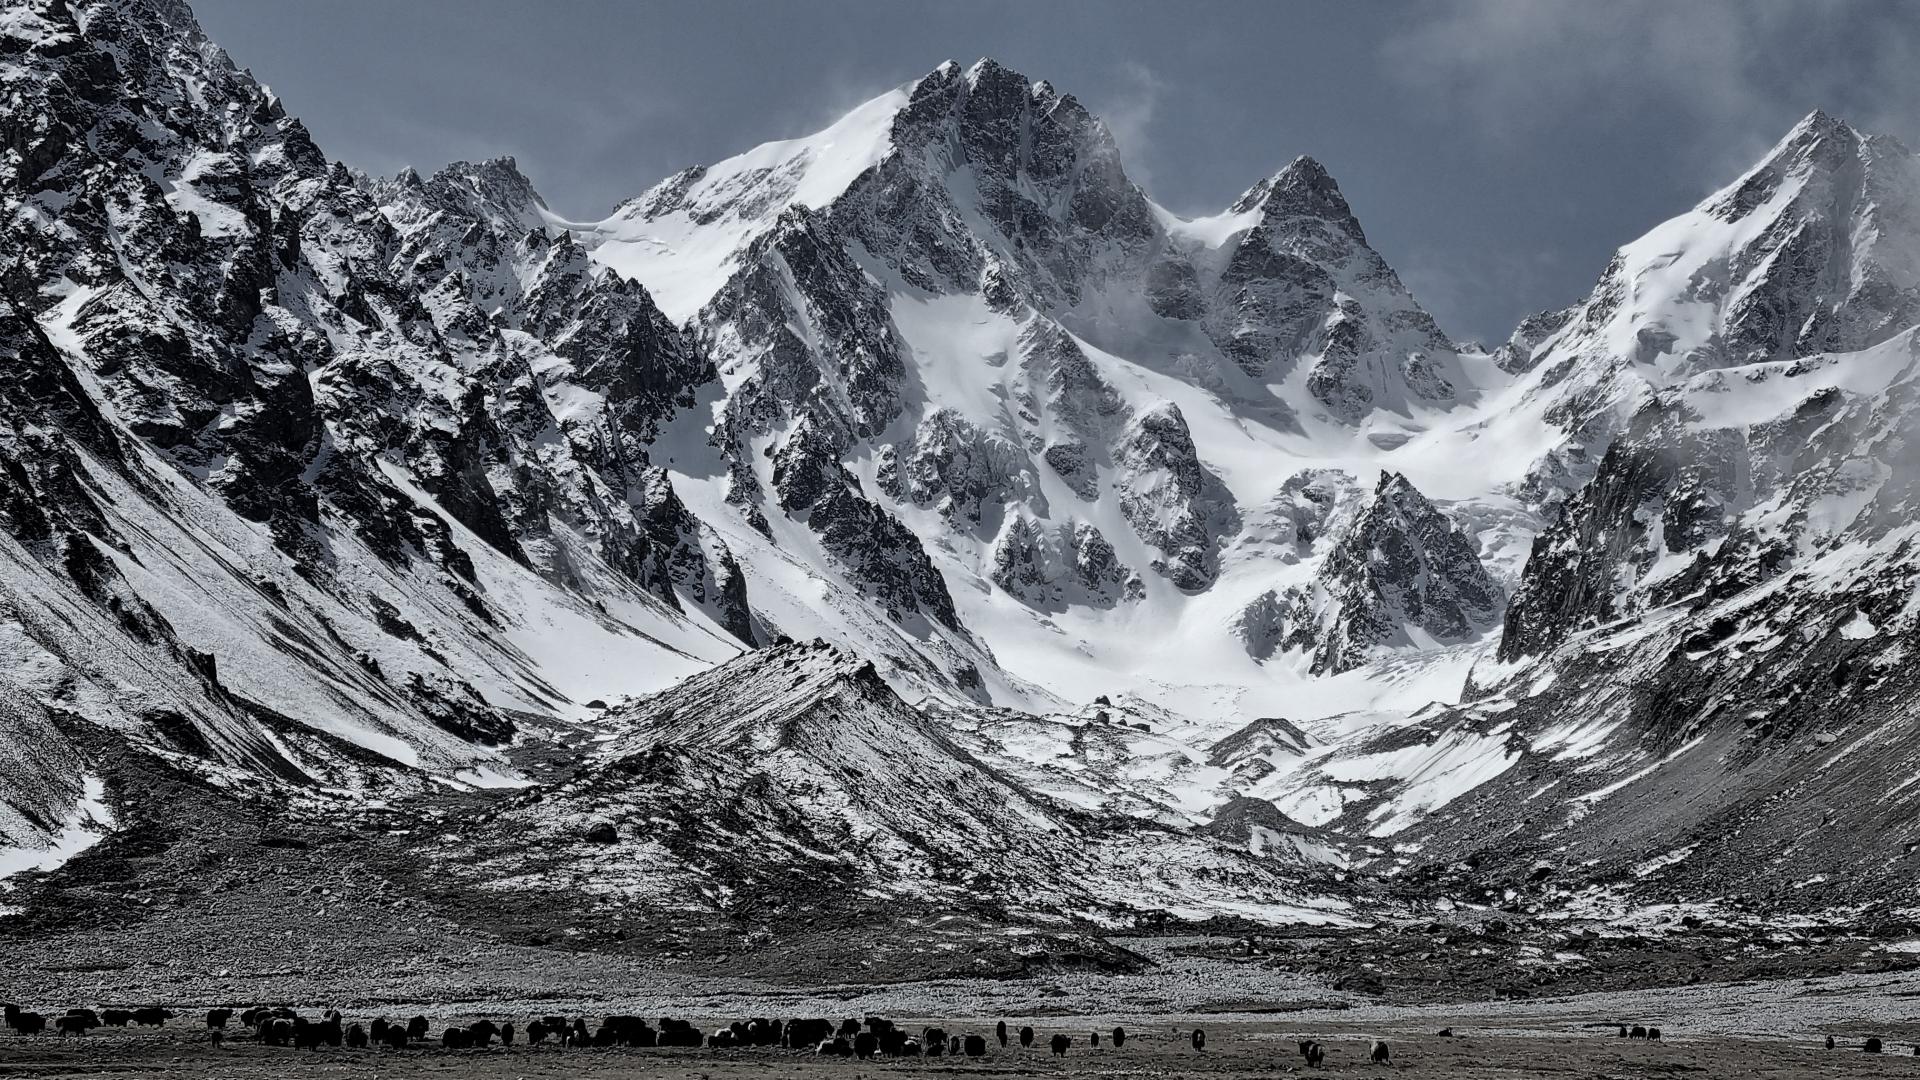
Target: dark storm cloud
{"points": [[1495, 150]]}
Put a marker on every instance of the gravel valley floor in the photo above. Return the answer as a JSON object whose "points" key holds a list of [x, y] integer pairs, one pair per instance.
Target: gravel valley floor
{"points": [[1485, 1046]]}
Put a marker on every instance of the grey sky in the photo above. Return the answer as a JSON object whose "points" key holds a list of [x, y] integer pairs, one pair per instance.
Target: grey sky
{"points": [[1495, 150]]}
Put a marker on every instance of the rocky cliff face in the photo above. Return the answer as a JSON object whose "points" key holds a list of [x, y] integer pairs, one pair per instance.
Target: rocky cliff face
{"points": [[278, 458], [1399, 570]]}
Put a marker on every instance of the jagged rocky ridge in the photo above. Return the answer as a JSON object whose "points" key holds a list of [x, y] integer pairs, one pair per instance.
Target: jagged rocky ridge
{"points": [[303, 470]]}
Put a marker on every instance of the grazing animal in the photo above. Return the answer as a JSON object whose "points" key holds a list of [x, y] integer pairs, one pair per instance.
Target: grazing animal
{"points": [[379, 1030], [1119, 1037], [1653, 1034], [536, 1032], [119, 1017], [1829, 1042], [1872, 1047], [356, 1037], [1381, 1055], [506, 1033], [455, 1038], [865, 1045], [975, 1046], [935, 1041], [1000, 1032], [1094, 1039], [953, 1046], [214, 1035], [1446, 1033], [276, 1031], [848, 1028], [92, 1018], [1199, 1039], [672, 1033], [27, 1023], [910, 1048], [799, 1033], [217, 1018], [1638, 1032], [71, 1025], [1060, 1044], [1026, 1037], [480, 1033], [1312, 1052], [1623, 1031], [417, 1028]]}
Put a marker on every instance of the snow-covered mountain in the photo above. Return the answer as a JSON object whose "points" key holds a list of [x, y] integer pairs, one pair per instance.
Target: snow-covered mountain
{"points": [[1194, 545]]}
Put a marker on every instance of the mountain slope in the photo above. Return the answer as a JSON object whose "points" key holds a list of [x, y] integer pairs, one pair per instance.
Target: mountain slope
{"points": [[794, 780]]}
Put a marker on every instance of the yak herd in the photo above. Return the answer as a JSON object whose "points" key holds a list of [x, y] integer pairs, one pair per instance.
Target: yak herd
{"points": [[873, 1037]]}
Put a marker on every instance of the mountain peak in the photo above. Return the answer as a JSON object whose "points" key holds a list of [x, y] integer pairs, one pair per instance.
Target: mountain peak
{"points": [[1303, 188]]}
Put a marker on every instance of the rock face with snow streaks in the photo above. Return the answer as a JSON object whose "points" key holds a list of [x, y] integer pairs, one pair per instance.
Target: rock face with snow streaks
{"points": [[1400, 568]]}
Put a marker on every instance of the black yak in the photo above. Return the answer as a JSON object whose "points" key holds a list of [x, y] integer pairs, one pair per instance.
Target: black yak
{"points": [[1119, 1037], [217, 1018], [801, 1033], [506, 1033], [865, 1045], [1000, 1032], [1312, 1052], [215, 1035], [1060, 1044], [356, 1036], [1653, 1034], [152, 1016], [1872, 1047], [1026, 1037], [1199, 1039], [72, 1025], [417, 1028], [1380, 1054], [974, 1046], [935, 1040], [1638, 1032], [27, 1023], [1094, 1038], [396, 1037]]}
